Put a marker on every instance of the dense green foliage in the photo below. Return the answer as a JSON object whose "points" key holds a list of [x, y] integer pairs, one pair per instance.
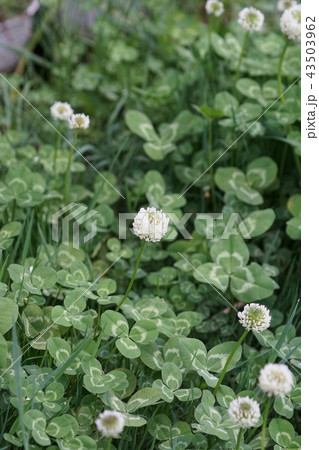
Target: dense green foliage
{"points": [[158, 80]]}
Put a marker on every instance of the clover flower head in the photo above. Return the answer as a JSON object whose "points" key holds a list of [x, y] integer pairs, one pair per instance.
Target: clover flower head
{"points": [[282, 5], [255, 317], [61, 111], [110, 423], [290, 22], [275, 379], [214, 7], [244, 411], [150, 224], [79, 121], [251, 19]]}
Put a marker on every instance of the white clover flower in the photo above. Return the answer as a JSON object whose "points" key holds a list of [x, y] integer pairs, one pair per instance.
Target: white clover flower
{"points": [[255, 317], [244, 411], [61, 111], [110, 423], [251, 19], [214, 7], [79, 121], [285, 4], [275, 379], [150, 224], [290, 22]]}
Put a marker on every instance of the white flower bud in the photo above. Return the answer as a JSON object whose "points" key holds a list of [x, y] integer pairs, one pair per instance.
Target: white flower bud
{"points": [[290, 23], [61, 111], [150, 224], [275, 379], [255, 317], [244, 411], [110, 423], [79, 121], [285, 4], [214, 7], [251, 19]]}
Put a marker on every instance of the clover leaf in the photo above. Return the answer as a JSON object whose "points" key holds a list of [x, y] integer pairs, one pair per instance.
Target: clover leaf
{"points": [[247, 282], [261, 173], [293, 226]]}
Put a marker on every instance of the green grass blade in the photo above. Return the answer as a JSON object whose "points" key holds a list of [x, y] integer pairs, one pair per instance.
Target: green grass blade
{"points": [[18, 384]]}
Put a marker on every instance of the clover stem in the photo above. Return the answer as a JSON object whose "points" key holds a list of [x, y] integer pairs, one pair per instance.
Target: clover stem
{"points": [[279, 77], [129, 287], [230, 357], [98, 320], [240, 435], [55, 154], [68, 170], [108, 443], [241, 56], [209, 53], [264, 428]]}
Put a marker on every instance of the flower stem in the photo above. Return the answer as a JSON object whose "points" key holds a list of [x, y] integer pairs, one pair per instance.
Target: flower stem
{"points": [[264, 428], [209, 51], [240, 434], [108, 444], [68, 170], [243, 50], [279, 78], [54, 162], [129, 287], [230, 357], [55, 155]]}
